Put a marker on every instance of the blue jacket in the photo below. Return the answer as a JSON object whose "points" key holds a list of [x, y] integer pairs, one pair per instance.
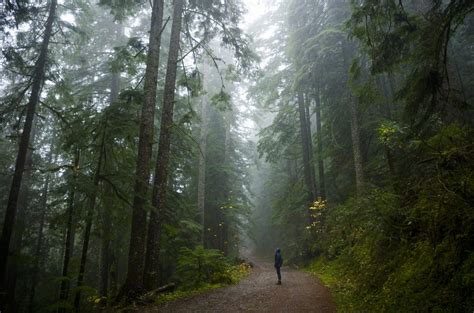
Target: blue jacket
{"points": [[278, 258]]}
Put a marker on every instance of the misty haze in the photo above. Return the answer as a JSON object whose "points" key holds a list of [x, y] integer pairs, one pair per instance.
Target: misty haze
{"points": [[236, 156]]}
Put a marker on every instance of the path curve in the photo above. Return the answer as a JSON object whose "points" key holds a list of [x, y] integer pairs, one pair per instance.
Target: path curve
{"points": [[299, 292]]}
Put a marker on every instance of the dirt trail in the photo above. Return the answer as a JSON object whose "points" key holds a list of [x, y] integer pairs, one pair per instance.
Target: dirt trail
{"points": [[299, 292]]}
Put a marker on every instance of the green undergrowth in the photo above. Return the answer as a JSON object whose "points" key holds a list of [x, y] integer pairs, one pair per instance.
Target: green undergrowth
{"points": [[408, 247], [234, 273], [200, 270], [341, 287]]}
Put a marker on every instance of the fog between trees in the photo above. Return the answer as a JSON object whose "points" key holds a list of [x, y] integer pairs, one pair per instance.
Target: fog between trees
{"points": [[158, 143]]}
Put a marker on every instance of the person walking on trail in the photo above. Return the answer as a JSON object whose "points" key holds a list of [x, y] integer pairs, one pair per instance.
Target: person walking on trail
{"points": [[278, 264]]}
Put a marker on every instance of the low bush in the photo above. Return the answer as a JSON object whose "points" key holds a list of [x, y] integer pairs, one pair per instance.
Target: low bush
{"points": [[200, 270], [199, 266]]}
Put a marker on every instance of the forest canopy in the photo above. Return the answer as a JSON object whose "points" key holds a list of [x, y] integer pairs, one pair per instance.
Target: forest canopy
{"points": [[149, 146]]}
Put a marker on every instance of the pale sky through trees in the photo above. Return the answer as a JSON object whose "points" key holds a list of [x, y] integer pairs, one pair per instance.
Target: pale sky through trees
{"points": [[255, 9]]}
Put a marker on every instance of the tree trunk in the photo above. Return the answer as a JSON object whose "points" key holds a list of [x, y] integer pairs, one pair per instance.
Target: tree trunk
{"points": [[39, 243], [134, 281], [306, 153], [322, 180], [11, 210], [104, 266], [388, 95], [310, 147], [69, 242], [116, 260], [202, 167], [20, 224], [113, 272], [89, 219], [39, 246], [162, 160], [355, 133], [85, 248], [224, 224], [104, 256]]}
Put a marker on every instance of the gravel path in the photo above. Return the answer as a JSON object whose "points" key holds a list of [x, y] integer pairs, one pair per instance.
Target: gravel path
{"points": [[299, 292]]}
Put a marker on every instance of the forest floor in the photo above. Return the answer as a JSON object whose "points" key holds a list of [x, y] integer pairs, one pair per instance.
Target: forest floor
{"points": [[299, 292]]}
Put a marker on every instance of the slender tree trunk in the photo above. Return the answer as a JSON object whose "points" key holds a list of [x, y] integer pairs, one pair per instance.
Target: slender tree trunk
{"points": [[85, 248], [355, 135], [69, 241], [20, 224], [116, 260], [11, 210], [384, 84], [162, 160], [224, 227], [104, 266], [310, 147], [134, 282], [40, 255], [114, 87], [89, 219], [202, 167], [39, 243], [113, 272], [355, 132], [306, 153], [322, 180]]}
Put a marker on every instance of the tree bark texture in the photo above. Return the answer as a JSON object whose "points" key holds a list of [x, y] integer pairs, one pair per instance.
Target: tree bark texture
{"points": [[11, 210], [134, 281], [161, 170]]}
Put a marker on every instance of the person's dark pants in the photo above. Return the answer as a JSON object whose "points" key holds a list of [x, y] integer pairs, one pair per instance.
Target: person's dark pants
{"points": [[278, 272]]}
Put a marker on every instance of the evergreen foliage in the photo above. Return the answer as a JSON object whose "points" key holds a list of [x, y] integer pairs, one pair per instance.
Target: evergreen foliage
{"points": [[403, 242], [349, 146], [73, 226]]}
